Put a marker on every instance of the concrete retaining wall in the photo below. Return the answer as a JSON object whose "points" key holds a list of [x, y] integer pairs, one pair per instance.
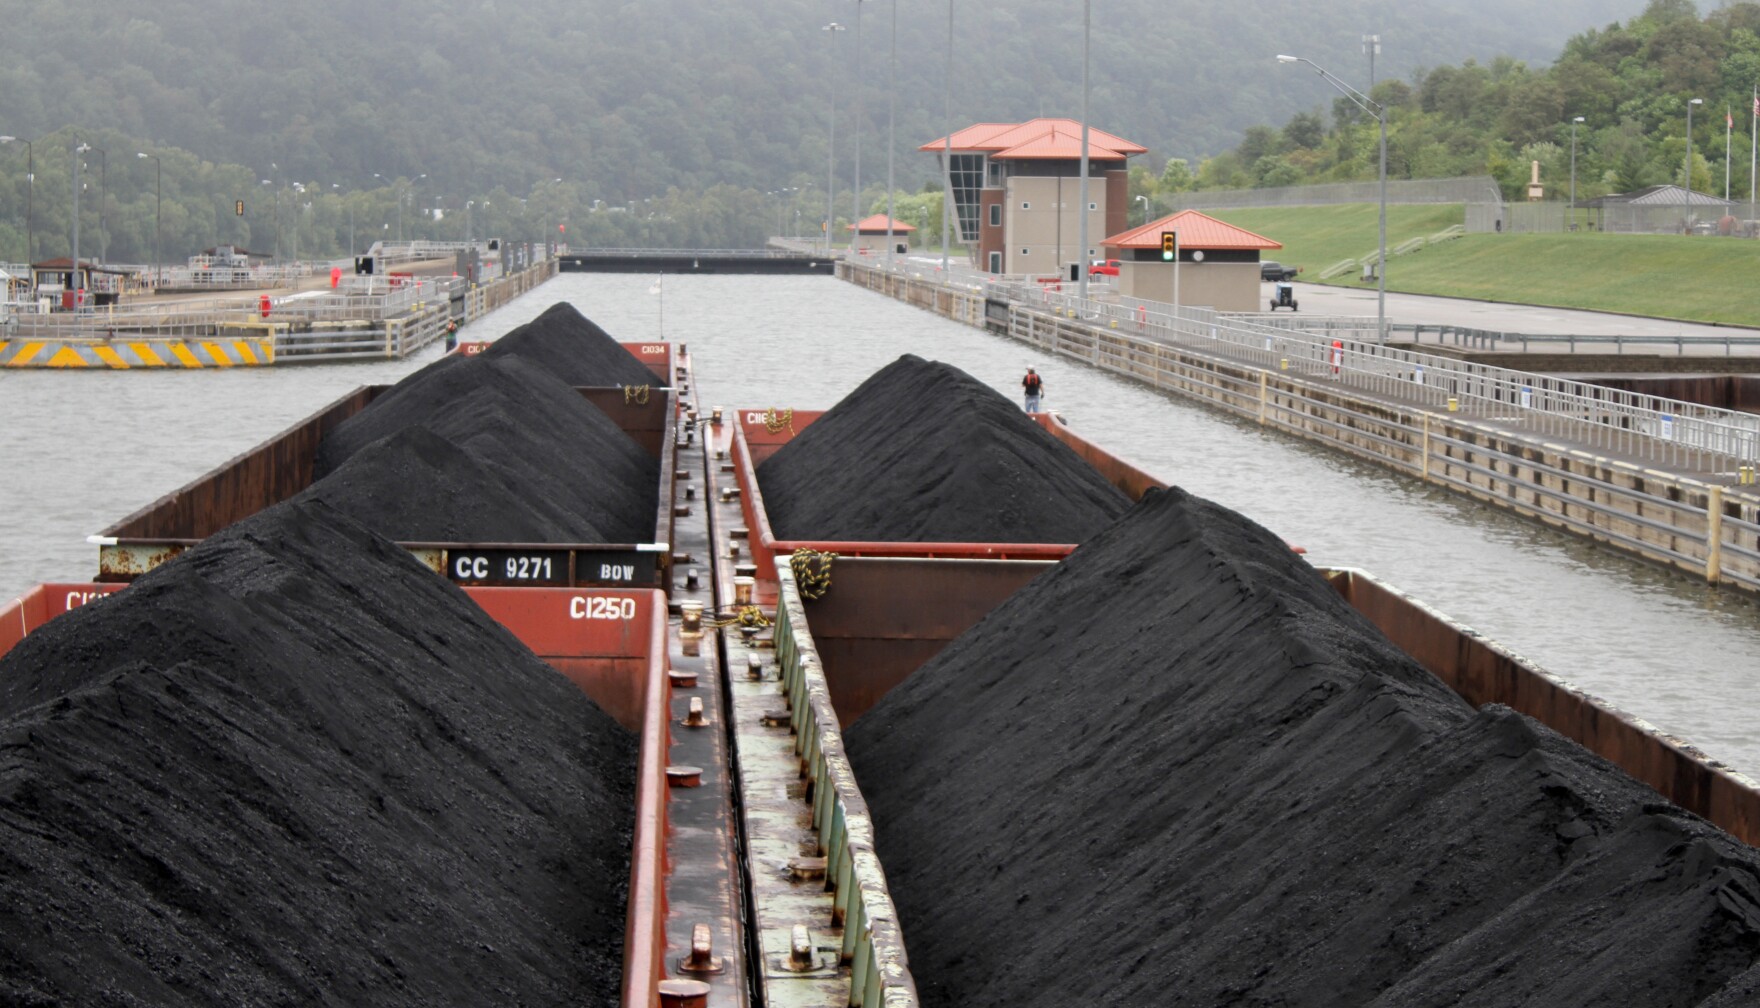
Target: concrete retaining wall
{"points": [[1705, 530]]}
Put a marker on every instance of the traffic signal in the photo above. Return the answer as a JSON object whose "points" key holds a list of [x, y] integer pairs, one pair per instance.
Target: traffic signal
{"points": [[1169, 245], [238, 208]]}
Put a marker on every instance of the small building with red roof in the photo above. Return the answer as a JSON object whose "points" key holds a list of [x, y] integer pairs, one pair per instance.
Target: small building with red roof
{"points": [[871, 235], [1218, 264], [1016, 187]]}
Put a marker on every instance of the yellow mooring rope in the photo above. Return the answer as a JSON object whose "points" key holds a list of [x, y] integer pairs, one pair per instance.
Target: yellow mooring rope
{"points": [[748, 616], [637, 394], [812, 572], [775, 422]]}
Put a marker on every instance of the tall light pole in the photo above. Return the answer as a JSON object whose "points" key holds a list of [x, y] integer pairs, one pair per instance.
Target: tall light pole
{"points": [[30, 184], [947, 202], [856, 201], [1571, 211], [1689, 183], [891, 104], [158, 215], [393, 186], [1082, 188], [73, 277], [1145, 200], [1372, 47], [831, 145], [277, 218], [103, 174], [336, 187], [297, 212], [1379, 111]]}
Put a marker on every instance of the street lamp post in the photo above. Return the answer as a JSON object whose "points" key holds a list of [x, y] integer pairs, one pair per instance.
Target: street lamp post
{"points": [[1571, 210], [831, 145], [1379, 110], [891, 119], [73, 277], [297, 212], [103, 190], [949, 209], [1689, 182], [856, 130], [158, 215], [1146, 211], [30, 184], [276, 218], [1082, 188], [336, 190]]}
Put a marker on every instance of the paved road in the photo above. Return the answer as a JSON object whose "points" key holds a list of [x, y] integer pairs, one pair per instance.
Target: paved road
{"points": [[1407, 309]]}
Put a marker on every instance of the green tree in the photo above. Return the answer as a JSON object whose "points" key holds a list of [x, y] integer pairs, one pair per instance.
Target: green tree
{"points": [[1304, 130], [1175, 177]]}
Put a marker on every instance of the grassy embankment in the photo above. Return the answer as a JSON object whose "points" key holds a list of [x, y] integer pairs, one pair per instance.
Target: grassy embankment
{"points": [[1696, 278]]}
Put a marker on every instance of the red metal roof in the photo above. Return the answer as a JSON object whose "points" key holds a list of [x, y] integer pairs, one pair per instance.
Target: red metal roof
{"points": [[1001, 139], [1196, 231], [1056, 144], [877, 225]]}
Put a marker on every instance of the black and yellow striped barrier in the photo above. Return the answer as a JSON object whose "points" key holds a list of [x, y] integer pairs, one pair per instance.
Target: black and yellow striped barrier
{"points": [[121, 354]]}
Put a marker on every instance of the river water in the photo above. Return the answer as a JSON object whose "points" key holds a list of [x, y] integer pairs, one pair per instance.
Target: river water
{"points": [[86, 448]]}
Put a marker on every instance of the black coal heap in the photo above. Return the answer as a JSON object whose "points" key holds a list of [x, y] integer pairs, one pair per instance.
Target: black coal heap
{"points": [[1177, 769], [576, 350], [295, 767], [923, 452], [539, 440]]}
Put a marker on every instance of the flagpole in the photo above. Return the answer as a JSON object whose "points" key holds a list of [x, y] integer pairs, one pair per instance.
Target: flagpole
{"points": [[1753, 151], [1729, 125]]}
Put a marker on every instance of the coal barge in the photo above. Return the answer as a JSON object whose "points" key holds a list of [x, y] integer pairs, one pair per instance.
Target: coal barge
{"points": [[735, 657]]}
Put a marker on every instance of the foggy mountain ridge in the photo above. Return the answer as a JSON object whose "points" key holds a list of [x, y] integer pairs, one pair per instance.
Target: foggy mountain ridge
{"points": [[627, 100]]}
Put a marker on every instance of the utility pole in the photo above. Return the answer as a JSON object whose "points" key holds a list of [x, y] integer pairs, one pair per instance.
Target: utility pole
{"points": [[856, 214], [949, 210], [73, 277], [1372, 46], [891, 103], [158, 216], [831, 144]]}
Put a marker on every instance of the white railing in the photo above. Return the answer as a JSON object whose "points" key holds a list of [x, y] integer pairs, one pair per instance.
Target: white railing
{"points": [[1645, 427]]}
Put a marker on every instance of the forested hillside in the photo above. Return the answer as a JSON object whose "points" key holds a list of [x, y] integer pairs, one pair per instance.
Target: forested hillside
{"points": [[1630, 84], [689, 112]]}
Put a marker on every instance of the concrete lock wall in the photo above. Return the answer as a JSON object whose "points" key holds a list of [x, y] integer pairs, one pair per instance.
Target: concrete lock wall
{"points": [[1697, 528]]}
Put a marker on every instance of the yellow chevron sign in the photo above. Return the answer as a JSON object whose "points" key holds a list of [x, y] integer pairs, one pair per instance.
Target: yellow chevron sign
{"points": [[123, 355]]}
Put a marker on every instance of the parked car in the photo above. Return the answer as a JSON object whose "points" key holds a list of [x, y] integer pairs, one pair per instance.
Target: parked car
{"points": [[1273, 271], [1104, 267]]}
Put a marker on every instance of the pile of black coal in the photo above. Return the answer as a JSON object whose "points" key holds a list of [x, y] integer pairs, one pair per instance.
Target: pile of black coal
{"points": [[923, 452], [1177, 769], [529, 460], [295, 767], [575, 349]]}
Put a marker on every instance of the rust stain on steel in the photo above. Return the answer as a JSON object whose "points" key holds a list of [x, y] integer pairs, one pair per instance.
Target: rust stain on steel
{"points": [[125, 562]]}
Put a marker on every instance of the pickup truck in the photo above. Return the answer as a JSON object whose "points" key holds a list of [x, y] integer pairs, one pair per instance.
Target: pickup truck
{"points": [[1269, 270]]}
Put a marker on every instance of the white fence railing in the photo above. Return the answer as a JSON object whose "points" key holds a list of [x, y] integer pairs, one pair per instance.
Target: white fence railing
{"points": [[1638, 425]]}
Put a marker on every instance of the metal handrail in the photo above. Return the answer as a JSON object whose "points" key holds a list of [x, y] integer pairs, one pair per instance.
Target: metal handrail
{"points": [[1492, 339], [1643, 425], [687, 253]]}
